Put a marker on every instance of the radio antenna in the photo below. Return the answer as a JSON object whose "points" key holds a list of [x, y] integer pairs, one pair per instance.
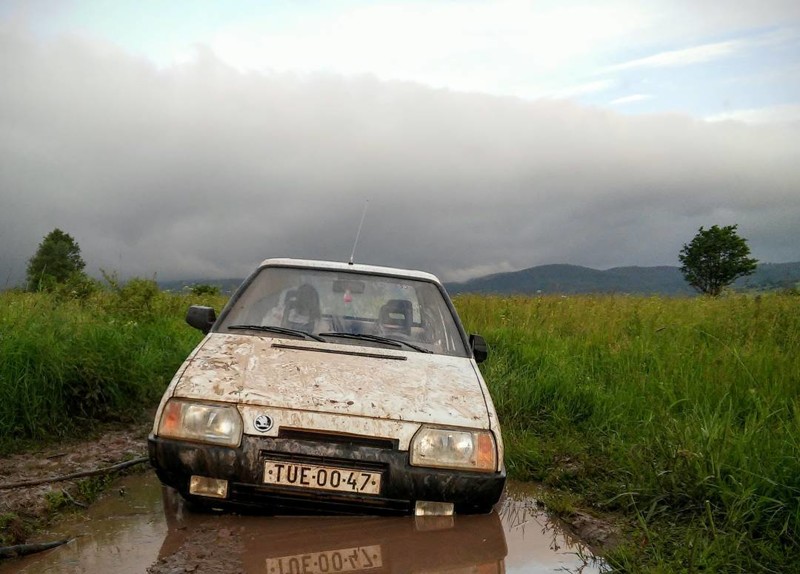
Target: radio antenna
{"points": [[358, 233]]}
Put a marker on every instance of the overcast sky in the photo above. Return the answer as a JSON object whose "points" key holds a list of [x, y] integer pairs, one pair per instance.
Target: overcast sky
{"points": [[194, 139]]}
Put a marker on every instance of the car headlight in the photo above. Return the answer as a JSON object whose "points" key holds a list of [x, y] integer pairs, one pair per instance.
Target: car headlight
{"points": [[215, 424], [454, 448]]}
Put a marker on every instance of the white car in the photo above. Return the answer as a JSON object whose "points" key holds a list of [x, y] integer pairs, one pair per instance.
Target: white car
{"points": [[332, 388]]}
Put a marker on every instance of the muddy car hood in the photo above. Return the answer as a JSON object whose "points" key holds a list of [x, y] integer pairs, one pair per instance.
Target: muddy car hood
{"points": [[342, 379]]}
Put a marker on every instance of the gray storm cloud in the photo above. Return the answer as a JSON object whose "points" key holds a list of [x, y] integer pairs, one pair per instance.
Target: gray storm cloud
{"points": [[199, 170]]}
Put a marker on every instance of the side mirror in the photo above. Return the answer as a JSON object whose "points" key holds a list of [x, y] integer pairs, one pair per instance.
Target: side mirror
{"points": [[201, 317], [480, 350]]}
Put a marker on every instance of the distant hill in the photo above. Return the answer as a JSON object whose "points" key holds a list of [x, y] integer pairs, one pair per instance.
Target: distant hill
{"points": [[573, 279], [772, 276]]}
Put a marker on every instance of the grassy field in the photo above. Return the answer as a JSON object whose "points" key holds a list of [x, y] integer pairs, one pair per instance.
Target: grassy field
{"points": [[680, 415], [684, 414], [66, 363]]}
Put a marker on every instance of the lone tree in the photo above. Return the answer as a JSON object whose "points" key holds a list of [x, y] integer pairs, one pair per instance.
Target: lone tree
{"points": [[715, 258], [57, 260]]}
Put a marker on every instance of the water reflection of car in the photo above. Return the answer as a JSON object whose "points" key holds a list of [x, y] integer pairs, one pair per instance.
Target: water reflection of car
{"points": [[333, 544], [331, 387]]}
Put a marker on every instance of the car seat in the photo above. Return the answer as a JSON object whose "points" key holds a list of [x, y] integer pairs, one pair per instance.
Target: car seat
{"points": [[302, 309], [395, 317]]}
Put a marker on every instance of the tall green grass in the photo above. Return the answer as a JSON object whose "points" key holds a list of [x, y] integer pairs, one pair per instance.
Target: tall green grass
{"points": [[66, 364], [683, 413]]}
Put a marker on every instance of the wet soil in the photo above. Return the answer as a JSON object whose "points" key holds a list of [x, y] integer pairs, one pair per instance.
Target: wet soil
{"points": [[138, 526], [37, 505]]}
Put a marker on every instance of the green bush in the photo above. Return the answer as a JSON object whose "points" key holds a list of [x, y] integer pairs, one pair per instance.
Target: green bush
{"points": [[205, 289], [67, 363]]}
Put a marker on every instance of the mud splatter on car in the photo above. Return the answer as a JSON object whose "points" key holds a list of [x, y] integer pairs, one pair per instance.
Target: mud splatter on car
{"points": [[332, 388]]}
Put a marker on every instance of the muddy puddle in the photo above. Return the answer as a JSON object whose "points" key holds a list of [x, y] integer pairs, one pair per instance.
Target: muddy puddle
{"points": [[129, 531]]}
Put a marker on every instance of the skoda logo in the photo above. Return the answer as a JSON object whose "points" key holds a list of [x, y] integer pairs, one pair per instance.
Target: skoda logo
{"points": [[263, 423]]}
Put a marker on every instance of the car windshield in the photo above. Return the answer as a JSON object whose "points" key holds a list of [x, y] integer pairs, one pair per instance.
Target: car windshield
{"points": [[346, 308]]}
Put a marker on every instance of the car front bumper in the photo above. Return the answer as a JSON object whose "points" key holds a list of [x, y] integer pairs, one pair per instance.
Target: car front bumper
{"points": [[402, 485]]}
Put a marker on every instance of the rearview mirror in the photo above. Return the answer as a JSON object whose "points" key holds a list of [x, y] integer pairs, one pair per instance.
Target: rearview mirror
{"points": [[355, 287], [480, 350], [201, 317]]}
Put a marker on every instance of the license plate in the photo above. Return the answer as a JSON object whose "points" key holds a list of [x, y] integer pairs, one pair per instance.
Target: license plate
{"points": [[329, 561], [321, 477]]}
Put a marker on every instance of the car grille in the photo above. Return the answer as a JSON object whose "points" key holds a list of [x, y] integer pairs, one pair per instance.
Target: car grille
{"points": [[349, 440]]}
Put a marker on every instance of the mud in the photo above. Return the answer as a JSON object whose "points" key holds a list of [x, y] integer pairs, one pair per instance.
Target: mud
{"points": [[136, 527], [33, 504]]}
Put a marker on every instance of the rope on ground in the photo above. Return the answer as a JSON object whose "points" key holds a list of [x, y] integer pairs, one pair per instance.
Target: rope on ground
{"points": [[95, 472]]}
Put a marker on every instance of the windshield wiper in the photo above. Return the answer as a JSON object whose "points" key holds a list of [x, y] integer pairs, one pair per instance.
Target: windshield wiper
{"points": [[378, 339], [278, 330]]}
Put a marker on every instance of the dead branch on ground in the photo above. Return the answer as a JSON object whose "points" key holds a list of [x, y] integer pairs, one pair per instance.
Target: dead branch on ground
{"points": [[95, 472], [25, 549]]}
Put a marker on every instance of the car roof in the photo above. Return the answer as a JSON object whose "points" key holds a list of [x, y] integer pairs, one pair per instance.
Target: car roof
{"points": [[352, 267]]}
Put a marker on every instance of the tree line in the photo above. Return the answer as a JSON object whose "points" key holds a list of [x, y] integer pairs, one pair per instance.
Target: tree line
{"points": [[711, 261], [58, 264]]}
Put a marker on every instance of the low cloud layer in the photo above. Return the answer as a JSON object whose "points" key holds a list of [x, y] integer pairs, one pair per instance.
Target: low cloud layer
{"points": [[200, 170]]}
